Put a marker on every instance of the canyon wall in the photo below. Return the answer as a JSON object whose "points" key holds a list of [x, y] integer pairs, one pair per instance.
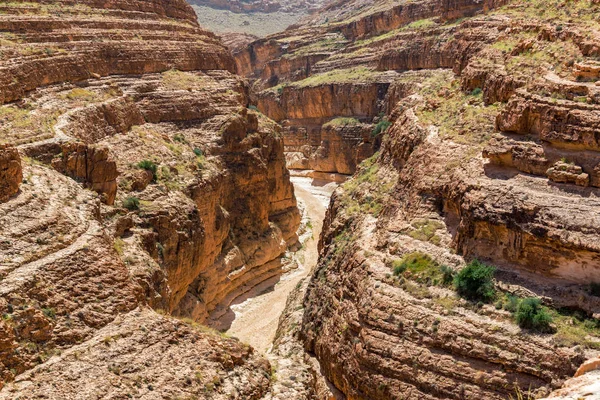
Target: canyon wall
{"points": [[137, 180], [488, 153], [323, 73]]}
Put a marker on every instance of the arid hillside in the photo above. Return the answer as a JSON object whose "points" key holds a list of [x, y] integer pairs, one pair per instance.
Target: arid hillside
{"points": [[461, 261], [135, 185]]}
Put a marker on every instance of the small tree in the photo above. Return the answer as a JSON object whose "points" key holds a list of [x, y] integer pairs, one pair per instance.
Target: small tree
{"points": [[475, 282], [381, 127], [532, 315]]}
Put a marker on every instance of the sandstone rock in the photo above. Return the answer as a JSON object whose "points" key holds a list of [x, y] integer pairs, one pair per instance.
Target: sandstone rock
{"points": [[101, 88], [563, 172], [91, 165], [10, 172]]}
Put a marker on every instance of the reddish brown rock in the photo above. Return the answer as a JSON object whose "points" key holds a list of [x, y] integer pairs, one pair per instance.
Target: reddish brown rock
{"points": [[10, 172]]}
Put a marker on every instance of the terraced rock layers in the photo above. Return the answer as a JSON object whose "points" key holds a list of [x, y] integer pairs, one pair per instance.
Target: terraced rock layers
{"points": [[488, 154], [146, 182]]}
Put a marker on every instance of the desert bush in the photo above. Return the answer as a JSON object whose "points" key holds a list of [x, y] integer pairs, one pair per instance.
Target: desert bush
{"points": [[381, 127], [148, 166], [475, 282], [447, 274], [532, 315], [131, 203]]}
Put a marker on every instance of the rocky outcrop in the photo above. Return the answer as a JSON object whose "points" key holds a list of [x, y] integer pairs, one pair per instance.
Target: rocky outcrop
{"points": [[169, 44], [10, 172], [322, 123], [91, 165], [584, 385], [265, 6], [178, 358], [347, 67], [331, 148], [491, 159], [190, 204]]}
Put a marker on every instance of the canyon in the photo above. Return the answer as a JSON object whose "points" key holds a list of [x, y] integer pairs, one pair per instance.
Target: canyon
{"points": [[185, 216]]}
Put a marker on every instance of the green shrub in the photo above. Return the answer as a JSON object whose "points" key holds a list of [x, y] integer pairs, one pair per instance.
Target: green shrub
{"points": [[198, 152], [476, 92], [179, 138], [475, 282], [532, 315], [253, 107], [398, 266], [381, 127], [131, 203], [148, 166]]}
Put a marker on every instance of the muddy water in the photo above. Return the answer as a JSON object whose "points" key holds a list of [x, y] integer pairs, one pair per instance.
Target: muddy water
{"points": [[256, 319]]}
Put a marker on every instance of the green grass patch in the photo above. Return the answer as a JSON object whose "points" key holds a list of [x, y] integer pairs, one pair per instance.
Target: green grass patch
{"points": [[342, 121], [423, 269]]}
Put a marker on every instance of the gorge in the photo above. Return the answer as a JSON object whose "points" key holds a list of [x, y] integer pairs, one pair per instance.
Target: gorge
{"points": [[387, 200]]}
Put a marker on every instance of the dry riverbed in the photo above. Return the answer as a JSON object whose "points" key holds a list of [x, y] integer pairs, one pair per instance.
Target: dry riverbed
{"points": [[257, 318]]}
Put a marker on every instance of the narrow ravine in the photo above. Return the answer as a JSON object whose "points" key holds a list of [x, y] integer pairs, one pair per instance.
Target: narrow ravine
{"points": [[257, 318]]}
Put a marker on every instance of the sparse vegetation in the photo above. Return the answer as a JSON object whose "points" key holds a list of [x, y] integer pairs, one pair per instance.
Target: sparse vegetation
{"points": [[178, 80], [425, 230], [131, 203], [118, 245], [475, 282], [423, 269], [350, 75], [381, 127], [149, 166], [532, 315], [342, 121]]}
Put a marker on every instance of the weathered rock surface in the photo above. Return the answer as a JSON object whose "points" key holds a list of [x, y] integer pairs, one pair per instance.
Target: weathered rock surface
{"points": [[10, 172], [266, 6], [190, 203], [344, 66], [491, 155], [142, 355]]}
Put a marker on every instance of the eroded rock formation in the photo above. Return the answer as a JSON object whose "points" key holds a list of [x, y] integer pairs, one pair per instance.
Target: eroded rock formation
{"points": [[347, 67], [190, 202], [491, 155], [11, 172]]}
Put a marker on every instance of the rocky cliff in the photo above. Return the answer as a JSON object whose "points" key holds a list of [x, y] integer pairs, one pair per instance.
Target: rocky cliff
{"points": [[342, 69], [146, 182], [487, 156]]}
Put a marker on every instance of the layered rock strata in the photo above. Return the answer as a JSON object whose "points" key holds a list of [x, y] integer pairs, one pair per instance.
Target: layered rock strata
{"points": [[490, 156], [190, 203], [11, 172], [326, 71]]}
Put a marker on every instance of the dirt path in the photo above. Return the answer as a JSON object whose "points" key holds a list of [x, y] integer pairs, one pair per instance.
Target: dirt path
{"points": [[257, 318]]}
